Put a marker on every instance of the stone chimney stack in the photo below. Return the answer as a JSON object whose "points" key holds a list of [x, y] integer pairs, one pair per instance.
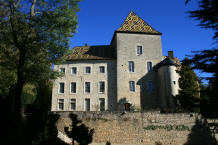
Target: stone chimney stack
{"points": [[170, 54]]}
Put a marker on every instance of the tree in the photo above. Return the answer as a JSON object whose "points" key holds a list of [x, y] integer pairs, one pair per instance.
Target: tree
{"points": [[207, 60], [189, 95], [207, 14], [79, 132], [34, 34]]}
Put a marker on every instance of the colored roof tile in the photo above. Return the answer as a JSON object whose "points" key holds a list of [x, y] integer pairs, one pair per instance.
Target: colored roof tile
{"points": [[90, 53], [134, 23]]}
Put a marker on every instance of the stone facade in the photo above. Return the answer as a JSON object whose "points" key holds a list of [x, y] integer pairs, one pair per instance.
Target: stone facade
{"points": [[136, 75]]}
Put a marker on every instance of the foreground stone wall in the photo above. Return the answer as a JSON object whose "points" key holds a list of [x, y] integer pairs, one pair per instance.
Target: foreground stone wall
{"points": [[150, 128]]}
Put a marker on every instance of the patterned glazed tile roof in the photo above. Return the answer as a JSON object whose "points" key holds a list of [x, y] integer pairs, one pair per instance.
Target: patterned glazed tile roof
{"points": [[168, 61], [90, 53], [134, 23]]}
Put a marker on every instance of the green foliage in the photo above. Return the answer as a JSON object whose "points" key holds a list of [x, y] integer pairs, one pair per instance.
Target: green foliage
{"points": [[189, 95], [29, 94], [167, 127], [34, 35], [207, 60], [207, 15]]}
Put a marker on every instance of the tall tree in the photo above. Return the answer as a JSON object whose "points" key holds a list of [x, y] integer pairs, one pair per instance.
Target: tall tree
{"points": [[34, 34], [189, 95], [207, 60]]}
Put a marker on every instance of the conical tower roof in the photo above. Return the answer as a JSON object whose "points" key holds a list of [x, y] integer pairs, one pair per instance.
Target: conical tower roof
{"points": [[134, 23]]}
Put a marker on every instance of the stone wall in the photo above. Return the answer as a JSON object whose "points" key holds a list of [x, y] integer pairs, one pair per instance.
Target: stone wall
{"points": [[148, 128]]}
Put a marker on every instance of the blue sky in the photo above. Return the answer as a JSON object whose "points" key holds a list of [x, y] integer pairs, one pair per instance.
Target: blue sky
{"points": [[98, 19]]}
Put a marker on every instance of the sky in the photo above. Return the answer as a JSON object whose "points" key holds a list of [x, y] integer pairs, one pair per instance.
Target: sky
{"points": [[98, 19]]}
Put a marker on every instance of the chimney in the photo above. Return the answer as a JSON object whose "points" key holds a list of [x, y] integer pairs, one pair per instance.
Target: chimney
{"points": [[86, 44], [170, 54]]}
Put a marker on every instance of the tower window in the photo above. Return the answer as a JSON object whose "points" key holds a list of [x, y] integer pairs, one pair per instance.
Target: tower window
{"points": [[131, 66], [132, 86], [139, 50], [149, 66]]}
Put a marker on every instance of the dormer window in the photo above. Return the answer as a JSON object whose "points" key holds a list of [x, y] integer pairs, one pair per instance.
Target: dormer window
{"points": [[139, 50]]}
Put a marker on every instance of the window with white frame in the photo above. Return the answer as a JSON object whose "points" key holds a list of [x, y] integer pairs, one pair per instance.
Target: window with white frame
{"points": [[150, 86], [139, 50], [74, 70], [73, 87], [61, 88], [131, 66], [62, 70], [149, 66], [101, 88], [60, 104], [87, 87], [87, 70], [102, 104], [73, 104], [101, 69], [132, 86]]}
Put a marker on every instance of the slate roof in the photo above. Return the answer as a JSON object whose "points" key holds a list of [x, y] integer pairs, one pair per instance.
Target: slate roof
{"points": [[101, 52], [134, 23]]}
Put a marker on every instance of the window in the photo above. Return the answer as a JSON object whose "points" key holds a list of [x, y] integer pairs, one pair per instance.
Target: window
{"points": [[61, 88], [87, 87], [101, 69], [131, 66], [74, 70], [60, 104], [101, 87], [72, 104], [62, 70], [87, 104], [149, 66], [87, 69], [174, 82], [73, 87], [102, 104], [150, 86], [139, 50], [131, 86]]}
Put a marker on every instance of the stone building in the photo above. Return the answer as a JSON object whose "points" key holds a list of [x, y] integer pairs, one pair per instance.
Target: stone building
{"points": [[130, 73]]}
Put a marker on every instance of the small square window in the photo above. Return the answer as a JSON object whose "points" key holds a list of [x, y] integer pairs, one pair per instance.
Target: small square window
{"points": [[60, 104], [62, 70], [74, 70], [73, 104], [139, 50], [61, 88], [87, 69], [132, 86], [101, 69]]}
